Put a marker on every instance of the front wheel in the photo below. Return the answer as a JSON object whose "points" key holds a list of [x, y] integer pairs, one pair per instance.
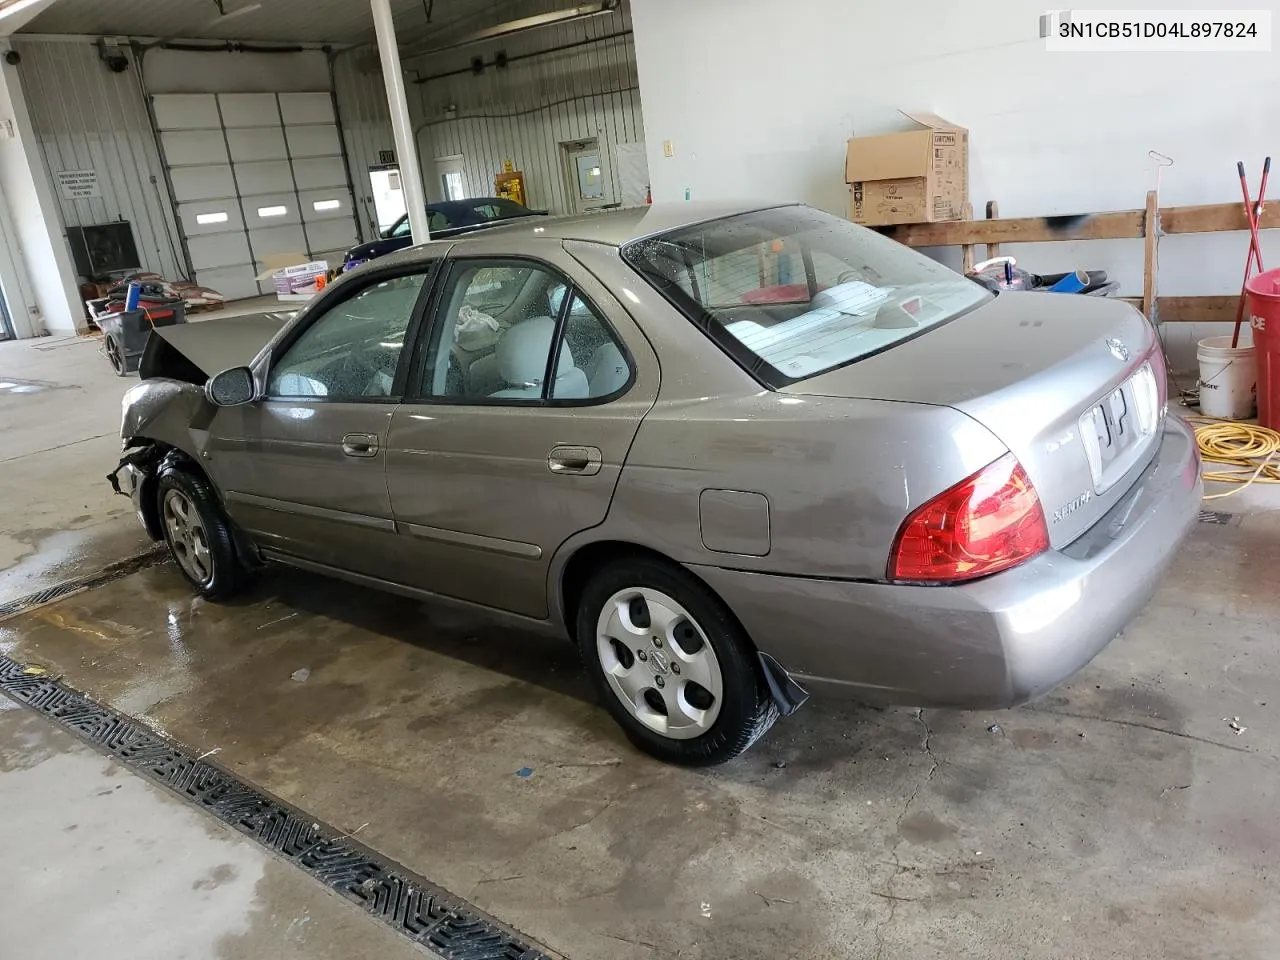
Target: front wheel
{"points": [[671, 664], [199, 535]]}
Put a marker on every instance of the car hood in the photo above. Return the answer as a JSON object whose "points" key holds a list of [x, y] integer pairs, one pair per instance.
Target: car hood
{"points": [[217, 345]]}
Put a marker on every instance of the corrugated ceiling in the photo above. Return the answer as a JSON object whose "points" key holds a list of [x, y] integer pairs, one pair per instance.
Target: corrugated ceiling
{"points": [[302, 21]]}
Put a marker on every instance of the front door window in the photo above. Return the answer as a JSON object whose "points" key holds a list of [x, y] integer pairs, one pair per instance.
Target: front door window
{"points": [[354, 350]]}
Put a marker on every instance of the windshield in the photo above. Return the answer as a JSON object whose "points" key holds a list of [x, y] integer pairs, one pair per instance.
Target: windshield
{"points": [[499, 210], [793, 292]]}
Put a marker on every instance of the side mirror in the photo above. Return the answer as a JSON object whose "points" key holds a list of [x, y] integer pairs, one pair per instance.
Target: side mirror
{"points": [[231, 387]]}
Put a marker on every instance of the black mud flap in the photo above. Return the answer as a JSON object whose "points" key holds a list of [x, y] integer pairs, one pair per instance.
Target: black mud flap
{"points": [[786, 693]]}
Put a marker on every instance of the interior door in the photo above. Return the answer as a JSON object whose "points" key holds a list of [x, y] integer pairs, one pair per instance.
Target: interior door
{"points": [[304, 469], [526, 397], [584, 174]]}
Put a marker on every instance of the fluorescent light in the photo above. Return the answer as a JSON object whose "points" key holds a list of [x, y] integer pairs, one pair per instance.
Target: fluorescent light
{"points": [[327, 205], [265, 212], [205, 219]]}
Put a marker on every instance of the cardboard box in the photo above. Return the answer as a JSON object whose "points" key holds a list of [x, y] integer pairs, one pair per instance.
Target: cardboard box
{"points": [[919, 176], [295, 281]]}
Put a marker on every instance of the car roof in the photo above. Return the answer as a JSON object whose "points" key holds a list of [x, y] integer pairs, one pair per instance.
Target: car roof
{"points": [[618, 227]]}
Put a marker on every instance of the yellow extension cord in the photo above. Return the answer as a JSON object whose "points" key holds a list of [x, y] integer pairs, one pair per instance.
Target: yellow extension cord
{"points": [[1246, 451]]}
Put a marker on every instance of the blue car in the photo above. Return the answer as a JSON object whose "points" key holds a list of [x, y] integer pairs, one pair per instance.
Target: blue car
{"points": [[446, 219]]}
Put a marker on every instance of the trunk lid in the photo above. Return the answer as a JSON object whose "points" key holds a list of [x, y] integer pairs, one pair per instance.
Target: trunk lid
{"points": [[1074, 386]]}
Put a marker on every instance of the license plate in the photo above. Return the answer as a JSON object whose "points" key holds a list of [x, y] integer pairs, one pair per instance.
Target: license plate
{"points": [[1110, 431], [1114, 425]]}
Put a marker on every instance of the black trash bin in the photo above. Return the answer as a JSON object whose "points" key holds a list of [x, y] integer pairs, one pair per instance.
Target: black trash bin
{"points": [[126, 333]]}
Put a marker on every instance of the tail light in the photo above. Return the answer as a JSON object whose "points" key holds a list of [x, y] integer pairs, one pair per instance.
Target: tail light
{"points": [[987, 523]]}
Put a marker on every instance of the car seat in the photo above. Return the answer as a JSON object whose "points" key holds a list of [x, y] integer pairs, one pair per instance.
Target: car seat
{"points": [[522, 363], [607, 371]]}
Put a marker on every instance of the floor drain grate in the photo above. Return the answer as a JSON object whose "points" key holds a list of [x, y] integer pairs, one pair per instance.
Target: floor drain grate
{"points": [[150, 558], [1216, 516], [410, 905]]}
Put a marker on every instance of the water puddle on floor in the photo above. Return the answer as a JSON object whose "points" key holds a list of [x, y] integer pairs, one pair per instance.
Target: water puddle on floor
{"points": [[20, 387]]}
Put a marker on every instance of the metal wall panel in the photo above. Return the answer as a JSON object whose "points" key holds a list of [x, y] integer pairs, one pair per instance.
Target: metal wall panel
{"points": [[88, 118], [366, 126], [522, 112], [527, 110]]}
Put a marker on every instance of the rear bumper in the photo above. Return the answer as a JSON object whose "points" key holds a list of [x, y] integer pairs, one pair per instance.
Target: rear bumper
{"points": [[992, 643]]}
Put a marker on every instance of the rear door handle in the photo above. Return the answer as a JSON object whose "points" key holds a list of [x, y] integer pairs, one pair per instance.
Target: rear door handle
{"points": [[579, 461], [362, 445]]}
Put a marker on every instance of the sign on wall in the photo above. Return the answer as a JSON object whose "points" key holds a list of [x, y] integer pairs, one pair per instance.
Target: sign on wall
{"points": [[78, 184], [386, 156]]}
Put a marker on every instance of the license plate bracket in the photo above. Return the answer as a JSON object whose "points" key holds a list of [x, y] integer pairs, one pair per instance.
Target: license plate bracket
{"points": [[1110, 430]]}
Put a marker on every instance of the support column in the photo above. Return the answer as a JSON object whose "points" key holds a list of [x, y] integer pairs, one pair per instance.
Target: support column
{"points": [[415, 196], [38, 277]]}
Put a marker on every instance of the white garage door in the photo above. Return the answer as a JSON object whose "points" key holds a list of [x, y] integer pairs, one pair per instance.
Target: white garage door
{"points": [[255, 175]]}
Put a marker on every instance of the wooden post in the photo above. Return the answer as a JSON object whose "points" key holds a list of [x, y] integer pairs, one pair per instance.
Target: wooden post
{"points": [[1150, 260], [993, 213], [966, 257]]}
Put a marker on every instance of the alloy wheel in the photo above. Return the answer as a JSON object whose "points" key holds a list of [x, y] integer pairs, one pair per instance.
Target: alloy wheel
{"points": [[659, 663], [187, 536]]}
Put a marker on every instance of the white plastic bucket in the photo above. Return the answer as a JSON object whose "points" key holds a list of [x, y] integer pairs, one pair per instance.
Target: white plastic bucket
{"points": [[1228, 379]]}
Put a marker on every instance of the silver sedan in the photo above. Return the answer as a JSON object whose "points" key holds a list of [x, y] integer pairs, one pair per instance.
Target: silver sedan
{"points": [[735, 454]]}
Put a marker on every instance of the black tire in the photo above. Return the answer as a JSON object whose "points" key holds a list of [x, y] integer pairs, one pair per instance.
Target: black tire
{"points": [[226, 575], [116, 356], [746, 711]]}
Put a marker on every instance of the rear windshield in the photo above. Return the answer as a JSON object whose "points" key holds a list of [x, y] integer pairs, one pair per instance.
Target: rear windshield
{"points": [[793, 292]]}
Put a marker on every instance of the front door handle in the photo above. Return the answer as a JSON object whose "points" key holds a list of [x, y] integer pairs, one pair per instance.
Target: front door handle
{"points": [[580, 461], [362, 445]]}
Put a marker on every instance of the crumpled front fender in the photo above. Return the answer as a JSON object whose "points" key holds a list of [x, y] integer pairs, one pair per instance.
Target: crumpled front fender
{"points": [[168, 411]]}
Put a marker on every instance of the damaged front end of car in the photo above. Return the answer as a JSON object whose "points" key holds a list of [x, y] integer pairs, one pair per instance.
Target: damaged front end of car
{"points": [[166, 418], [158, 420]]}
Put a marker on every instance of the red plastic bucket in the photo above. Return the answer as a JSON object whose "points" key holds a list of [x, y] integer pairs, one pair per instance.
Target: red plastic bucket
{"points": [[1262, 303]]}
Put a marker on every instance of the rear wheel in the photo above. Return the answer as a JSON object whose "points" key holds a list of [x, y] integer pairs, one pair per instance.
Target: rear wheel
{"points": [[199, 535], [115, 354], [671, 664]]}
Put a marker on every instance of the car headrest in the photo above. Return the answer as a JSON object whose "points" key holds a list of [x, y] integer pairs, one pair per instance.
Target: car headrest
{"points": [[523, 350]]}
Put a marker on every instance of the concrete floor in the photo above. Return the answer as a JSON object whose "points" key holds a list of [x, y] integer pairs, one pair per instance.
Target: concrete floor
{"points": [[152, 877], [1118, 817]]}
